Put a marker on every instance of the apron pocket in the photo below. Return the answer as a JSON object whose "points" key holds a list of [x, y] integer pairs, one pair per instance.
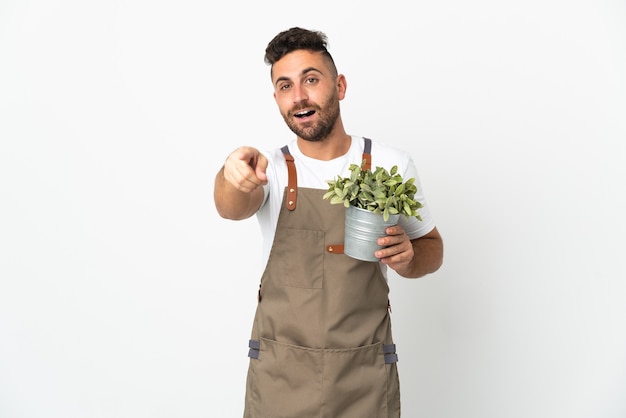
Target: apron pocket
{"points": [[356, 382], [288, 381], [302, 263]]}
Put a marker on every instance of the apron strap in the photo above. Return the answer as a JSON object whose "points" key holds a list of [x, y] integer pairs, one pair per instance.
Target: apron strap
{"points": [[367, 154], [255, 346], [389, 350], [292, 179], [335, 248]]}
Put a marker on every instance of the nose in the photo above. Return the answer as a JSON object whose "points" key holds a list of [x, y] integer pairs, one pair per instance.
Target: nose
{"points": [[300, 94]]}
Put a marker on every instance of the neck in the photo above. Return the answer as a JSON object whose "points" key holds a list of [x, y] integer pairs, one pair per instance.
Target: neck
{"points": [[334, 145], [327, 149]]}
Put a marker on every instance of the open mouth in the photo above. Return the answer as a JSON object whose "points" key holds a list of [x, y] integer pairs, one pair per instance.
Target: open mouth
{"points": [[304, 113]]}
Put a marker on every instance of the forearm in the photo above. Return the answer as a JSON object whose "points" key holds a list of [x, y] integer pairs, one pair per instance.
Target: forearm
{"points": [[427, 256], [232, 203]]}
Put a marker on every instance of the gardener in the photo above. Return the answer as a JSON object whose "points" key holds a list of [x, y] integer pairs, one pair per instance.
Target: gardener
{"points": [[321, 343]]}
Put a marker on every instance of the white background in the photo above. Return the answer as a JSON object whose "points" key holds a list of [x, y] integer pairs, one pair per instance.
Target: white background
{"points": [[124, 295]]}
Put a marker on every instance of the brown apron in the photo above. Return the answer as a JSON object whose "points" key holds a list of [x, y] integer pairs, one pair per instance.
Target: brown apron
{"points": [[321, 344]]}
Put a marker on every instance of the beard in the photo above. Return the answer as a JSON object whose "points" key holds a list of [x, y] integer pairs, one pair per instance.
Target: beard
{"points": [[315, 131]]}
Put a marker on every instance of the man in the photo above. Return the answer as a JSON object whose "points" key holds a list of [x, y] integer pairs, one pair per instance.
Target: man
{"points": [[321, 343]]}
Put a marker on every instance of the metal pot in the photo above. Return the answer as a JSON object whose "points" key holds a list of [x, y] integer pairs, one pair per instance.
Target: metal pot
{"points": [[362, 230]]}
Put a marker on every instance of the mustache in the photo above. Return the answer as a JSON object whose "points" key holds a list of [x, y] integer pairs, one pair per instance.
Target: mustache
{"points": [[303, 106]]}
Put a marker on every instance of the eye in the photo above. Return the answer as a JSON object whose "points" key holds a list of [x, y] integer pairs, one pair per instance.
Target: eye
{"points": [[311, 80], [284, 86]]}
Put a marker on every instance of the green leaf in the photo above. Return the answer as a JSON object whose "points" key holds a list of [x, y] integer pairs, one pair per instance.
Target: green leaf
{"points": [[407, 209], [380, 191], [336, 200], [366, 196], [328, 194], [386, 214]]}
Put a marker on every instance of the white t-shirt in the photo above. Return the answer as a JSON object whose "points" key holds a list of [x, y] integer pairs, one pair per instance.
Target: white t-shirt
{"points": [[314, 173]]}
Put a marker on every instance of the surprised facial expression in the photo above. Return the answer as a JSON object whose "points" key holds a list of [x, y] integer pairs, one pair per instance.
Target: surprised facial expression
{"points": [[307, 91]]}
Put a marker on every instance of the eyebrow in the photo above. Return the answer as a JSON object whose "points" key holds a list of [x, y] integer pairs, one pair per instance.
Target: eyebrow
{"points": [[303, 72]]}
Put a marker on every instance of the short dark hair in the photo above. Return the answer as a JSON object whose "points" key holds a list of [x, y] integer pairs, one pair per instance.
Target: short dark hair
{"points": [[295, 39]]}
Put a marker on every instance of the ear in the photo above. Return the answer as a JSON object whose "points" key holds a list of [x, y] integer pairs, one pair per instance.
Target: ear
{"points": [[342, 86]]}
